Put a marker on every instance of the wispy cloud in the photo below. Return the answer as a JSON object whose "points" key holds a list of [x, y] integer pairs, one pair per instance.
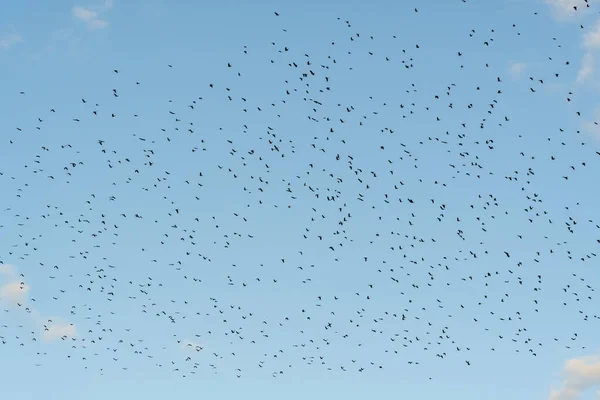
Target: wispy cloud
{"points": [[16, 292], [586, 70], [56, 330], [593, 126], [580, 374], [11, 288], [591, 45], [7, 270], [568, 9], [8, 41], [90, 17], [515, 69], [591, 39]]}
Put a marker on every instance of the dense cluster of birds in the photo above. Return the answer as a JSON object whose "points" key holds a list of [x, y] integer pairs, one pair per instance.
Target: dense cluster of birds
{"points": [[327, 230]]}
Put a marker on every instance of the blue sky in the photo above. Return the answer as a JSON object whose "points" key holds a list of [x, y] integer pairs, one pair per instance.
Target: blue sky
{"points": [[428, 166]]}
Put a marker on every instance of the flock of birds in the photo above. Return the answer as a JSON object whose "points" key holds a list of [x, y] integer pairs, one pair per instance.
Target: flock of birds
{"points": [[318, 233]]}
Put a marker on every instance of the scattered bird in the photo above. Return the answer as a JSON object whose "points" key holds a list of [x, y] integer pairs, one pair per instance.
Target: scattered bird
{"points": [[277, 217]]}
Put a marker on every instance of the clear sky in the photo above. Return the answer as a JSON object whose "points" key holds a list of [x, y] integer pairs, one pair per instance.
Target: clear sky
{"points": [[324, 199]]}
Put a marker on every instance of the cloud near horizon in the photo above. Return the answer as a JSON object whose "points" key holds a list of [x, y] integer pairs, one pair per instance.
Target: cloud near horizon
{"points": [[580, 374]]}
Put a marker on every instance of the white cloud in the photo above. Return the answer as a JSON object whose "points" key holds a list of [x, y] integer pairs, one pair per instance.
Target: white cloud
{"points": [[14, 291], [8, 41], [56, 330], [108, 4], [90, 17], [580, 374]]}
